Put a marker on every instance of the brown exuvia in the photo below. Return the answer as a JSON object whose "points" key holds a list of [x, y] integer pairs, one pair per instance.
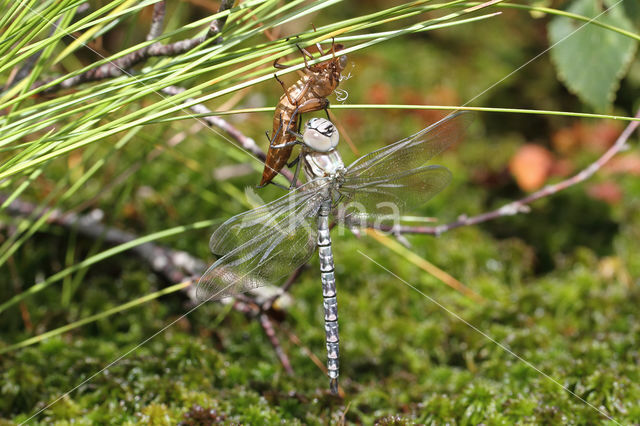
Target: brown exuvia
{"points": [[306, 95]]}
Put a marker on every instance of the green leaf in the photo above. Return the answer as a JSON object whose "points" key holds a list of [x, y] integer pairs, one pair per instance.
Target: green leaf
{"points": [[591, 60], [632, 9]]}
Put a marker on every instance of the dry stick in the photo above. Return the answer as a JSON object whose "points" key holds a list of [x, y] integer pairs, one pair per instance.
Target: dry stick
{"points": [[216, 25], [172, 265], [175, 266], [250, 308], [522, 205], [313, 357], [285, 287], [267, 326], [157, 21], [119, 66], [245, 142]]}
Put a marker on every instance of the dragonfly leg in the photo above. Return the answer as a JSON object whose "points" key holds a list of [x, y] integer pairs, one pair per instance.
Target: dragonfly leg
{"points": [[286, 144], [333, 47], [305, 53], [315, 104], [286, 92], [275, 134], [294, 162], [278, 65], [297, 163], [297, 135], [274, 183]]}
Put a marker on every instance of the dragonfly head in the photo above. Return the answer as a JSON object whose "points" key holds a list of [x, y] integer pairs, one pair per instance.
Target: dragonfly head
{"points": [[320, 135]]}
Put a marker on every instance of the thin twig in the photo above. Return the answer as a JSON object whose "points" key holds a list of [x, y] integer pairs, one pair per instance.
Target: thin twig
{"points": [[267, 326], [245, 142], [285, 287], [252, 310], [217, 24], [157, 21], [172, 265], [121, 65], [522, 205]]}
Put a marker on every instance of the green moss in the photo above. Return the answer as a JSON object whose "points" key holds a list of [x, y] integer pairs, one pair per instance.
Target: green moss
{"points": [[560, 285]]}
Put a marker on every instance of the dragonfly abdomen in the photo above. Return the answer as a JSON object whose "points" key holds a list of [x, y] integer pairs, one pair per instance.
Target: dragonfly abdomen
{"points": [[330, 302]]}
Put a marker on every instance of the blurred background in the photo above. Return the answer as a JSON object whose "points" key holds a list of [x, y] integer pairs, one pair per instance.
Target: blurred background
{"points": [[558, 286]]}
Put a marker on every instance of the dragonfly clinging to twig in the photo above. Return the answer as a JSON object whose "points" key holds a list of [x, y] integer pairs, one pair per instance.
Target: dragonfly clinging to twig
{"points": [[260, 246]]}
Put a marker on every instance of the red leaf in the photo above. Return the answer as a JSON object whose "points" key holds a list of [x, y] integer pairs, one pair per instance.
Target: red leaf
{"points": [[530, 166], [629, 163], [608, 192]]}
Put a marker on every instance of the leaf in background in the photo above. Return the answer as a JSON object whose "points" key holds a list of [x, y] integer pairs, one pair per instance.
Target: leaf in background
{"points": [[530, 166], [632, 8], [591, 61], [609, 192]]}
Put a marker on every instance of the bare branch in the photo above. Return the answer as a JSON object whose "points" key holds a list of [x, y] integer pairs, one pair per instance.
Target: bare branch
{"points": [[157, 20], [285, 287], [216, 25], [522, 205], [172, 265], [247, 143], [267, 326], [121, 65]]}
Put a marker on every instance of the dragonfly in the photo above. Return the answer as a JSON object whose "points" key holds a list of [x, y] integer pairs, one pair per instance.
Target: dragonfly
{"points": [[262, 245]]}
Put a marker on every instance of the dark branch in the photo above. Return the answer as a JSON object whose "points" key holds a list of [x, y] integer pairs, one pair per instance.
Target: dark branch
{"points": [[522, 205], [172, 265], [217, 24], [267, 326], [285, 287], [245, 142], [157, 21], [121, 65]]}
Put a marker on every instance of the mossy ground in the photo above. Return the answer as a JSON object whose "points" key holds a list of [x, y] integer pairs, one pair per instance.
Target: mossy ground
{"points": [[560, 284]]}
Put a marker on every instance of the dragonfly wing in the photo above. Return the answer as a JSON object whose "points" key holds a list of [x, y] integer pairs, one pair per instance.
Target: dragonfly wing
{"points": [[262, 245], [414, 151], [369, 198], [247, 225]]}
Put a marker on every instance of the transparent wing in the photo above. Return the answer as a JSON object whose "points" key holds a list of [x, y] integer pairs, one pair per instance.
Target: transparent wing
{"points": [[414, 151], [392, 180], [386, 199], [264, 244]]}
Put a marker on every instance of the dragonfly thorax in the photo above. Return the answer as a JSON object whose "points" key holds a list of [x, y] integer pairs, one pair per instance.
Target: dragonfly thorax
{"points": [[321, 164]]}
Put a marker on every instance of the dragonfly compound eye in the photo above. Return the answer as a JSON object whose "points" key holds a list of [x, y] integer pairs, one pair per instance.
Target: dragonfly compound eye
{"points": [[342, 62], [320, 135]]}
